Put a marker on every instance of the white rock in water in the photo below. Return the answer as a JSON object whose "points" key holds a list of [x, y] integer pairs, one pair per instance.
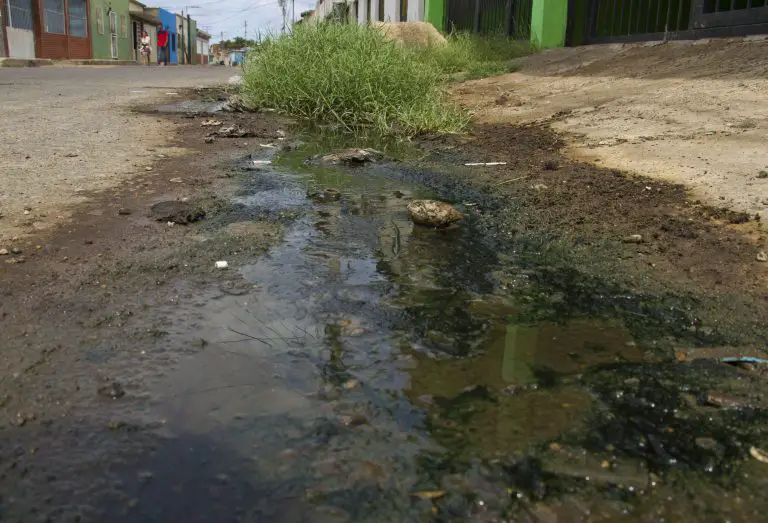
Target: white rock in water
{"points": [[433, 213]]}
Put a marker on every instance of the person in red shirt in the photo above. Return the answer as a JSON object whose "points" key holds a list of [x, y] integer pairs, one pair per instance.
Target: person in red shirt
{"points": [[162, 45]]}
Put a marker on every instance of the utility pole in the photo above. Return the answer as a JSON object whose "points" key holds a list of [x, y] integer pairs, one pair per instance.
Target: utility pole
{"points": [[245, 29]]}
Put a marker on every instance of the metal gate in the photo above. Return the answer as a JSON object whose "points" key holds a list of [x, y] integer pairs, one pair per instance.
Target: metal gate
{"points": [[638, 20], [503, 17]]}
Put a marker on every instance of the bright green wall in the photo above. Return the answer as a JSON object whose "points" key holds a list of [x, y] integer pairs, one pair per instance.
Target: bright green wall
{"points": [[192, 42], [102, 47], [434, 13], [549, 20]]}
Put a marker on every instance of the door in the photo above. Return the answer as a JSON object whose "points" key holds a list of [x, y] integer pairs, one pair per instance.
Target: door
{"points": [[20, 29], [113, 32]]}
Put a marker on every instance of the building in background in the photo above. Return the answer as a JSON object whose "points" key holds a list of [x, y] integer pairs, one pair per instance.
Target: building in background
{"points": [[168, 20], [188, 39], [3, 50], [203, 47], [142, 20], [110, 21], [56, 29]]}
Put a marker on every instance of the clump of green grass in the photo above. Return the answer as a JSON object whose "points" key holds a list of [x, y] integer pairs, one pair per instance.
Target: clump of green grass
{"points": [[477, 56], [351, 75]]}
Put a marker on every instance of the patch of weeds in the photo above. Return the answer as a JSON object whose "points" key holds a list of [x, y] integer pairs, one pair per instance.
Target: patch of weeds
{"points": [[353, 76], [477, 56]]}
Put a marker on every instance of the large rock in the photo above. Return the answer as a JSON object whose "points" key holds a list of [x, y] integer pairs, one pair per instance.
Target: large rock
{"points": [[352, 157], [411, 34], [433, 213], [176, 212]]}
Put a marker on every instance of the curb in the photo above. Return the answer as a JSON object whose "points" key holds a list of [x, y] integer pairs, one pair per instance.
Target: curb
{"points": [[25, 62]]}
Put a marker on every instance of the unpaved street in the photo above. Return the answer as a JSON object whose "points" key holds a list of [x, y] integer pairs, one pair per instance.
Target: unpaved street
{"points": [[67, 131], [694, 113]]}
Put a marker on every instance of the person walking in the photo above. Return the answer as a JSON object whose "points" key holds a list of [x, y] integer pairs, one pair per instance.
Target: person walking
{"points": [[146, 47], [162, 45]]}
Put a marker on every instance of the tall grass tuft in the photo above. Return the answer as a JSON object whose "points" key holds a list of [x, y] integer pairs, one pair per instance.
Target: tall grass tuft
{"points": [[350, 74]]}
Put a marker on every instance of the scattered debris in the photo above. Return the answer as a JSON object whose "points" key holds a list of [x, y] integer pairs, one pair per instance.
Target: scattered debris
{"points": [[210, 123], [123, 211], [233, 132], [16, 250], [744, 359], [268, 145], [759, 454], [484, 164], [4, 252], [14, 261], [235, 104], [147, 168], [222, 264], [355, 420], [235, 80], [350, 157], [176, 212], [429, 494], [71, 155], [352, 385], [326, 195], [433, 213], [112, 390], [551, 165], [261, 162], [509, 181], [762, 256], [540, 187], [209, 139], [633, 238], [175, 180]]}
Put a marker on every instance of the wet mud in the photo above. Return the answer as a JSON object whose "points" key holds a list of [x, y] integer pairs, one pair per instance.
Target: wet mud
{"points": [[348, 365]]}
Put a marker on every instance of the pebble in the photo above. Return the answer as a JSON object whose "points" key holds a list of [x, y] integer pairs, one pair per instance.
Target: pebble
{"points": [[762, 256], [355, 420], [633, 238], [209, 139], [352, 385], [147, 168], [15, 250], [706, 443], [4, 252], [124, 212]]}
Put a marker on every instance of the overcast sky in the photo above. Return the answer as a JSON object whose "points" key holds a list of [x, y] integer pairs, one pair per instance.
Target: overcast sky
{"points": [[215, 16]]}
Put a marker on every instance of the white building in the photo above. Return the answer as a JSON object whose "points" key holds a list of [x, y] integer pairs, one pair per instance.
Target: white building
{"points": [[364, 11]]}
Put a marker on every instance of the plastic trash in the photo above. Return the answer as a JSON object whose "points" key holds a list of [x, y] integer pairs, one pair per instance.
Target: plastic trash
{"points": [[489, 164]]}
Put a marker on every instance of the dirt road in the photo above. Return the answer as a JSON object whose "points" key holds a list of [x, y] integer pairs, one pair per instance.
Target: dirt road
{"points": [[694, 113], [68, 131]]}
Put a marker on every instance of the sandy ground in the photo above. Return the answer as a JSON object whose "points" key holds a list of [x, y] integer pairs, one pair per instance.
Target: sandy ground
{"points": [[68, 131], [688, 112]]}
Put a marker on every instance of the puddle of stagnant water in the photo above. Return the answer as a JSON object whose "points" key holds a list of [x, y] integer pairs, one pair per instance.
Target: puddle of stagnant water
{"points": [[369, 370]]}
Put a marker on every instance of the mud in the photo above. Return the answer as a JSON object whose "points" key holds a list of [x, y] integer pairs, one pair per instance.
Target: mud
{"points": [[351, 366]]}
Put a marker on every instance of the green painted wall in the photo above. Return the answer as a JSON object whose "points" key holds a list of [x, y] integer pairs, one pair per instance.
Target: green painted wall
{"points": [[102, 43], [434, 13], [549, 20], [192, 42]]}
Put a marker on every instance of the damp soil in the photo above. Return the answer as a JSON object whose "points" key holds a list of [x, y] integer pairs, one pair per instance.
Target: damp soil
{"points": [[530, 364]]}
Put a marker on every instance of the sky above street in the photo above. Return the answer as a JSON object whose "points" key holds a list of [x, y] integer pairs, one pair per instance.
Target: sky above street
{"points": [[215, 16]]}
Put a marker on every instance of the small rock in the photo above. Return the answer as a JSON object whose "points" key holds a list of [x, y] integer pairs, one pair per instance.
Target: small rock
{"points": [[210, 123], [27, 211], [16, 250], [762, 257], [633, 238], [147, 168], [209, 139], [112, 390], [353, 156], [233, 132], [222, 264], [175, 180], [352, 385], [14, 261], [176, 212], [123, 211], [705, 443], [540, 187], [433, 213], [4, 252], [354, 420]]}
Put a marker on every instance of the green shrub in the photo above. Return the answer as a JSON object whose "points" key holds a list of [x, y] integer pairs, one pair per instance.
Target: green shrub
{"points": [[475, 54], [352, 75]]}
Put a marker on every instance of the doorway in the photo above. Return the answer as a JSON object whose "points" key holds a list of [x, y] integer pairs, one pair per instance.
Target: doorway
{"points": [[20, 29]]}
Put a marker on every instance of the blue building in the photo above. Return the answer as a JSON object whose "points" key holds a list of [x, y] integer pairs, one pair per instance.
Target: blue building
{"points": [[168, 20]]}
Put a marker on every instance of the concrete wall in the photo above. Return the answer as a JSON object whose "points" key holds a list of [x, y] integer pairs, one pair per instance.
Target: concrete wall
{"points": [[21, 43], [3, 50]]}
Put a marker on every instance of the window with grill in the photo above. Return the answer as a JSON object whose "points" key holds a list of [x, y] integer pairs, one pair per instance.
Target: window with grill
{"points": [[78, 18], [53, 17], [20, 14], [113, 22]]}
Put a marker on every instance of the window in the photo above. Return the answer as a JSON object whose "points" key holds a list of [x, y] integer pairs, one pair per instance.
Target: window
{"points": [[20, 14], [100, 20], [112, 22], [124, 26], [53, 16], [78, 19]]}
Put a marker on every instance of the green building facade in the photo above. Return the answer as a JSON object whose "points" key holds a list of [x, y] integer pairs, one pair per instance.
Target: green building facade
{"points": [[110, 29]]}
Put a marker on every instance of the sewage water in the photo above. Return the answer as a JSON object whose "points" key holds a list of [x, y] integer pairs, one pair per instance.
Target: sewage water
{"points": [[369, 370]]}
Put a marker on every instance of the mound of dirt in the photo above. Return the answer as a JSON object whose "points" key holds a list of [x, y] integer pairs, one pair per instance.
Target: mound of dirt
{"points": [[411, 33]]}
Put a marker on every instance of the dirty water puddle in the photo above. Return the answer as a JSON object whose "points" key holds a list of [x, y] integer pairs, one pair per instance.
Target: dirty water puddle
{"points": [[370, 370]]}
